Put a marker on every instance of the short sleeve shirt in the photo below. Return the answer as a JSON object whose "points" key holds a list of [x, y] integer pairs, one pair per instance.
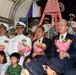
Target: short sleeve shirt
{"points": [[14, 71], [47, 27]]}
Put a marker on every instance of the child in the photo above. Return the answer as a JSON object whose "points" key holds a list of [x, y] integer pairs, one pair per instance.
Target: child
{"points": [[3, 59], [27, 59], [3, 63], [14, 68]]}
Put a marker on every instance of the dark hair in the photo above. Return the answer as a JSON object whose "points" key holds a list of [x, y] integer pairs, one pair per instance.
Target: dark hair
{"points": [[41, 28], [15, 55], [3, 54], [28, 57]]}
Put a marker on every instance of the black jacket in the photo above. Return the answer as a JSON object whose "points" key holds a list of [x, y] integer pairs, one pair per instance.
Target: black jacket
{"points": [[46, 41]]}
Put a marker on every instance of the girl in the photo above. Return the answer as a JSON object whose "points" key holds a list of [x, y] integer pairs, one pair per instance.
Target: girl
{"points": [[3, 63]]}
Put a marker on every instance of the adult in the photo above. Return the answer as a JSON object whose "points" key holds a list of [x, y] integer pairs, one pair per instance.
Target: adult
{"points": [[4, 41], [12, 32], [40, 38], [72, 24], [47, 26], [68, 57], [20, 38], [36, 23]]}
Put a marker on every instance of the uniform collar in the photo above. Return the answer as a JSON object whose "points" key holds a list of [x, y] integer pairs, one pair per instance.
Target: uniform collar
{"points": [[20, 35], [11, 36]]}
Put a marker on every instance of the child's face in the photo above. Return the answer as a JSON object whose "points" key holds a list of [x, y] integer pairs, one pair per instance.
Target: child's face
{"points": [[50, 71], [14, 60], [28, 60], [1, 59]]}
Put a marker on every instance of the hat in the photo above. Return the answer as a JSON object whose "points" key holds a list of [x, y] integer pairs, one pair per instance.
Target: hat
{"points": [[20, 25], [56, 64], [71, 15], [71, 72], [12, 28], [4, 25], [42, 59], [36, 20], [46, 19], [34, 68]]}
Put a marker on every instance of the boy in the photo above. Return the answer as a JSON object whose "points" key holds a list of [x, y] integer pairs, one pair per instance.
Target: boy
{"points": [[14, 68]]}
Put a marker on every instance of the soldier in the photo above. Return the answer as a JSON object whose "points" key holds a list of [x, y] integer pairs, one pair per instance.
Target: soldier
{"points": [[20, 38], [12, 32], [72, 24], [36, 23], [47, 26], [4, 41]]}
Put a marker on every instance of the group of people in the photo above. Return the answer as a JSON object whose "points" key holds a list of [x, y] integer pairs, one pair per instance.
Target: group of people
{"points": [[46, 26], [14, 61]]}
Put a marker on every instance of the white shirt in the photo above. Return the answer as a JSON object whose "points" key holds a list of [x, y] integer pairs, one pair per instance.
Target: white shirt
{"points": [[13, 45], [5, 41], [28, 29], [64, 36], [11, 36], [47, 27], [34, 28], [40, 40], [3, 68], [73, 25]]}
